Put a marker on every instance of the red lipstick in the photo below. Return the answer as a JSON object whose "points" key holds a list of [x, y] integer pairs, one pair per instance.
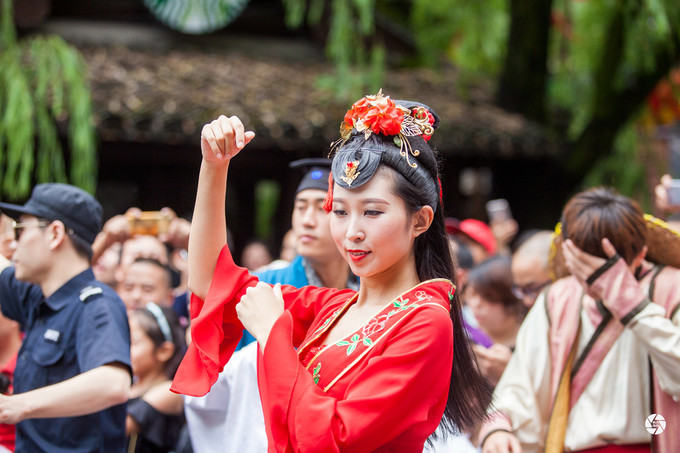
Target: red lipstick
{"points": [[357, 255]]}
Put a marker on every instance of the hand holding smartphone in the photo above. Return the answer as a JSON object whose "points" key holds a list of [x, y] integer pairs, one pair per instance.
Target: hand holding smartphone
{"points": [[149, 222], [498, 210]]}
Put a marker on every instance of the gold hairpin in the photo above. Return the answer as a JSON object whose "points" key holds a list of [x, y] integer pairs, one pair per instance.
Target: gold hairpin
{"points": [[351, 172]]}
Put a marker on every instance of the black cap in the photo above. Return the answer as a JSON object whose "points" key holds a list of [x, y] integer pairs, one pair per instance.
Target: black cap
{"points": [[76, 208], [316, 176]]}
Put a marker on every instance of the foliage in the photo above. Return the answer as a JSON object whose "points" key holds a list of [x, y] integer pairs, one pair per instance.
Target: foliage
{"points": [[267, 194], [472, 34], [623, 169], [42, 85], [358, 56], [604, 58], [579, 45]]}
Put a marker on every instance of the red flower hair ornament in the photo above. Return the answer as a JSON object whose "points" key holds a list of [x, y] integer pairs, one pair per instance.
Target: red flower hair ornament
{"points": [[401, 122], [379, 114]]}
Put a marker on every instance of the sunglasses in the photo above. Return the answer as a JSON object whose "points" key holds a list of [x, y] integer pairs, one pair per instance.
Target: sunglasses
{"points": [[19, 227]]}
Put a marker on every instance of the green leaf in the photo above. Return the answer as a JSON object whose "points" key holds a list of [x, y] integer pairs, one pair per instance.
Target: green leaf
{"points": [[8, 34], [43, 80], [368, 341], [295, 12], [315, 14], [355, 337], [342, 343], [351, 348]]}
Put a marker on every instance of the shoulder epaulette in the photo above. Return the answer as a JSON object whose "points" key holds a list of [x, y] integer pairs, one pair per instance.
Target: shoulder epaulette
{"points": [[90, 291]]}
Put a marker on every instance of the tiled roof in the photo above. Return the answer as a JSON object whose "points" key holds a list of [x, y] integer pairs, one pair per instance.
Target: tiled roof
{"points": [[155, 96]]}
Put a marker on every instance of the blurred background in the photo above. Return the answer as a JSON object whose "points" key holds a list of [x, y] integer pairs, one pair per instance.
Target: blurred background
{"points": [[538, 99]]}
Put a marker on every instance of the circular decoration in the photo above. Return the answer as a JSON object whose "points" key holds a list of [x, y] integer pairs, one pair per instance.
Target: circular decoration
{"points": [[196, 16]]}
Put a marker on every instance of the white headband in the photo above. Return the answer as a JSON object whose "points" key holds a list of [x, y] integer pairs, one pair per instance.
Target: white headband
{"points": [[162, 321]]}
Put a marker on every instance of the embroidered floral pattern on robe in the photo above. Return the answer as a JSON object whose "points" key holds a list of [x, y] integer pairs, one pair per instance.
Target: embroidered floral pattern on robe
{"points": [[358, 343]]}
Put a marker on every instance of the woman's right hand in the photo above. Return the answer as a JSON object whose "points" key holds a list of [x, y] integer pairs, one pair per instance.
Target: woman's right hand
{"points": [[259, 309], [501, 442], [223, 138]]}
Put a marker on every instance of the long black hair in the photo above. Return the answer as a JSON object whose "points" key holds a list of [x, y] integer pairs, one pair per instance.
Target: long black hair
{"points": [[469, 391]]}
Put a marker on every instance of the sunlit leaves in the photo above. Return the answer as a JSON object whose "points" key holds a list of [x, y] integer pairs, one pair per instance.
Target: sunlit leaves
{"points": [[43, 85], [359, 59], [577, 48], [472, 34]]}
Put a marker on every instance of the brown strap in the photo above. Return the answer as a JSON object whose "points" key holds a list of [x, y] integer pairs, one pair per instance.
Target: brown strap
{"points": [[557, 425]]}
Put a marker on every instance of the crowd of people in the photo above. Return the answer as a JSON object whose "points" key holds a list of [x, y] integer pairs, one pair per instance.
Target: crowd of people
{"points": [[383, 325]]}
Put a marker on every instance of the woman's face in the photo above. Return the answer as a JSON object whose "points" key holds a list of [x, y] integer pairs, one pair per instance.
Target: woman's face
{"points": [[142, 350], [371, 227]]}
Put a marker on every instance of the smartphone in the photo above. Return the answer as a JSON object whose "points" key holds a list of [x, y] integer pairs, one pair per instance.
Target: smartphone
{"points": [[674, 193], [149, 222], [498, 210]]}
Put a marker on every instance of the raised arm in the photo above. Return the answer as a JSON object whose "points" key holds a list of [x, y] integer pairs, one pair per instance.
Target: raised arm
{"points": [[618, 289], [221, 140]]}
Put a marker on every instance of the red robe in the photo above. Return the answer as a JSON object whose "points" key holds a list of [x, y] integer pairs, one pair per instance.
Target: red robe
{"points": [[382, 388], [8, 432]]}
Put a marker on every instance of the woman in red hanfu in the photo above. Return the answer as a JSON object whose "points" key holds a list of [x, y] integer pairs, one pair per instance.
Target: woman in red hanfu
{"points": [[341, 370]]}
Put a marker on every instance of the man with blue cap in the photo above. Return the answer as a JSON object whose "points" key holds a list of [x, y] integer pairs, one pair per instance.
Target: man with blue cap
{"points": [[230, 417], [72, 376], [318, 262]]}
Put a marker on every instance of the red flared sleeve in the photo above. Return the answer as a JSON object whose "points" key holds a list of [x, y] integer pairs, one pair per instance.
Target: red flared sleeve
{"points": [[216, 329], [397, 396]]}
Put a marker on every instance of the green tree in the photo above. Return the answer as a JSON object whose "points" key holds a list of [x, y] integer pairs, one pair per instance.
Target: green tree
{"points": [[358, 55], [582, 69], [43, 87]]}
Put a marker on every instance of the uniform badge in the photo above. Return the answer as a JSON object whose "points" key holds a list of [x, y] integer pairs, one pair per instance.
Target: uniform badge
{"points": [[52, 335]]}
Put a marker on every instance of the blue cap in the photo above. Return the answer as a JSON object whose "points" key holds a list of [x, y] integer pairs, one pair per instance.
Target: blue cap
{"points": [[316, 175], [77, 209]]}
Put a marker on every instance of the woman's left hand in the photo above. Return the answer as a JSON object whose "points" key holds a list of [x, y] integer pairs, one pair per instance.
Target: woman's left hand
{"points": [[582, 264], [259, 309]]}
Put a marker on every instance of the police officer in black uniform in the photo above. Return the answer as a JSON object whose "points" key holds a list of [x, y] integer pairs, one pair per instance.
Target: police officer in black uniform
{"points": [[72, 376]]}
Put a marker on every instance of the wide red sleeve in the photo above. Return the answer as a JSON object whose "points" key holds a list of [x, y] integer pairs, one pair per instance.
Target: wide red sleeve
{"points": [[216, 329], [403, 388]]}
